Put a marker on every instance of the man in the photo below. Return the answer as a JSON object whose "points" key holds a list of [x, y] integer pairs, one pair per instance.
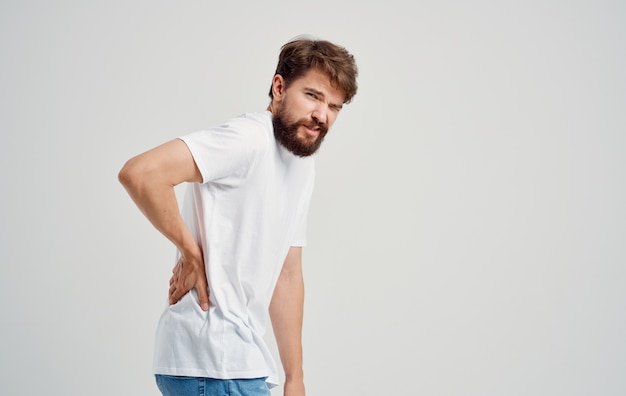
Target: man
{"points": [[241, 230]]}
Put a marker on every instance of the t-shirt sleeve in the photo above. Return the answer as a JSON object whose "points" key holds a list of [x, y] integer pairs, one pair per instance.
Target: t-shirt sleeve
{"points": [[225, 152]]}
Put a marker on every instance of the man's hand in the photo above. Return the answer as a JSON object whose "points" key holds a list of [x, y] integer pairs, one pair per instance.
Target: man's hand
{"points": [[189, 273]]}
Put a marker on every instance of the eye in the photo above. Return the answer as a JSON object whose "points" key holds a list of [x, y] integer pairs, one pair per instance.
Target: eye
{"points": [[311, 95]]}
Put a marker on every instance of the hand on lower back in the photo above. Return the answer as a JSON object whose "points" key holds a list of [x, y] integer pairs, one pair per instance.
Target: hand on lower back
{"points": [[189, 273]]}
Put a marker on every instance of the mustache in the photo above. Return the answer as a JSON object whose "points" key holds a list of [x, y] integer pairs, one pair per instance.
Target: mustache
{"points": [[313, 124]]}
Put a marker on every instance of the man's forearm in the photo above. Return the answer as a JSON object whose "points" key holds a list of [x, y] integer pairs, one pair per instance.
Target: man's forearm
{"points": [[286, 312], [150, 178], [158, 203]]}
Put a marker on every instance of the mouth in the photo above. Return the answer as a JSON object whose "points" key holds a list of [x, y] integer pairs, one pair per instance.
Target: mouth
{"points": [[311, 131]]}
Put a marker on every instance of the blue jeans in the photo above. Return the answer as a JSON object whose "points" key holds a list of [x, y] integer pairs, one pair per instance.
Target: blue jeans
{"points": [[193, 386]]}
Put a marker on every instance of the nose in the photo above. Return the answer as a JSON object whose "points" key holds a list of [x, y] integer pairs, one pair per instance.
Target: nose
{"points": [[320, 113]]}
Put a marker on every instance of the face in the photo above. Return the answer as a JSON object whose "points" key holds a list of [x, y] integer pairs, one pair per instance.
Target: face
{"points": [[303, 113]]}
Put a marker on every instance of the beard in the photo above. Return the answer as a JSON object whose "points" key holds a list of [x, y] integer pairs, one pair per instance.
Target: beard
{"points": [[286, 132]]}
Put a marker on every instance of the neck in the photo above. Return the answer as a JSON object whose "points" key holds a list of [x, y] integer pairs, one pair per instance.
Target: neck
{"points": [[272, 108]]}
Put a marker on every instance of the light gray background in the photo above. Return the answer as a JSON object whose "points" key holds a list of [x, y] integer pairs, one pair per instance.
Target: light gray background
{"points": [[467, 229]]}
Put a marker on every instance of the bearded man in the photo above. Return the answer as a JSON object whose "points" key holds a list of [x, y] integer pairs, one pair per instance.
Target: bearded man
{"points": [[241, 228]]}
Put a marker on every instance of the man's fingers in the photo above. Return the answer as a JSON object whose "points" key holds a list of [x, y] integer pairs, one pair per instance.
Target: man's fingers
{"points": [[203, 296], [173, 295], [187, 277], [176, 292]]}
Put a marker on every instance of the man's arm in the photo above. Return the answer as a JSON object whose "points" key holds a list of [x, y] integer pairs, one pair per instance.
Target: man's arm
{"points": [[149, 179], [286, 312]]}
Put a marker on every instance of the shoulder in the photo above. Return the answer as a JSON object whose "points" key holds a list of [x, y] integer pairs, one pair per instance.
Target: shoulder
{"points": [[249, 123], [247, 132], [249, 129]]}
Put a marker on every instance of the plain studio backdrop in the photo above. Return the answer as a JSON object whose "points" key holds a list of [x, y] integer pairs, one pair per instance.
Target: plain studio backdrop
{"points": [[467, 231]]}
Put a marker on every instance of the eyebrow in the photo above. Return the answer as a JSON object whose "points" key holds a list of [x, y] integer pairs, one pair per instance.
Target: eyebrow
{"points": [[320, 93]]}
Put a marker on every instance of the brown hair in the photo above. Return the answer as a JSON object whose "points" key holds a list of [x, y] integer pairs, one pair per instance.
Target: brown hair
{"points": [[300, 55]]}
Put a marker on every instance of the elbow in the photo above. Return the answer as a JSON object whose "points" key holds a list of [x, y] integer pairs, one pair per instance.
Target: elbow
{"points": [[129, 175]]}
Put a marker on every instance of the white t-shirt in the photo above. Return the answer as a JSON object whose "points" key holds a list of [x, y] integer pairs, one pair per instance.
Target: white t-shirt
{"points": [[250, 208]]}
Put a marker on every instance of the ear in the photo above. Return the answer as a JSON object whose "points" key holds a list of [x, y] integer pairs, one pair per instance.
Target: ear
{"points": [[278, 87]]}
